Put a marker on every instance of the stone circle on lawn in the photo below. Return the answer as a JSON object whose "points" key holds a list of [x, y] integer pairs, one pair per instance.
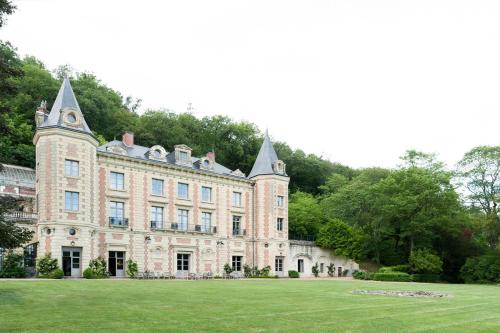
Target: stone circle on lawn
{"points": [[396, 293]]}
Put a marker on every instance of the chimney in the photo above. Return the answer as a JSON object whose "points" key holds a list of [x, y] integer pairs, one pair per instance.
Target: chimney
{"points": [[211, 156], [41, 113], [128, 139]]}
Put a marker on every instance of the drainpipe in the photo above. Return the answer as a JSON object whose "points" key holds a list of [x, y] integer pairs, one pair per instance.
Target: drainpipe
{"points": [[254, 202]]}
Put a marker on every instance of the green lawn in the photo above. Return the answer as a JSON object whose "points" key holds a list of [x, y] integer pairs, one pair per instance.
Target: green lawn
{"points": [[242, 306]]}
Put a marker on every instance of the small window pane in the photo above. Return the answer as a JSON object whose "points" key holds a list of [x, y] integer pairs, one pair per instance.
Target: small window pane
{"points": [[71, 201], [116, 181], [236, 199], [280, 201], [182, 219], [206, 194], [71, 168], [182, 190], [157, 186]]}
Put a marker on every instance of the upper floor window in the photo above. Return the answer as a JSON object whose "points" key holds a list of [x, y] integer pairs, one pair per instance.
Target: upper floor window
{"points": [[157, 186], [279, 224], [182, 190], [206, 194], [182, 219], [236, 199], [116, 180], [183, 156], [71, 168], [237, 225], [280, 201], [71, 200], [156, 217], [206, 221], [117, 213]]}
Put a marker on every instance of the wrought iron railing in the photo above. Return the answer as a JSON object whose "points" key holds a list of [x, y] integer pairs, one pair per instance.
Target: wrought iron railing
{"points": [[118, 222], [21, 216]]}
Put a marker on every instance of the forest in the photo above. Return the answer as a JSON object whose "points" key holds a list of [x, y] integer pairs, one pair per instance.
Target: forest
{"points": [[384, 216]]}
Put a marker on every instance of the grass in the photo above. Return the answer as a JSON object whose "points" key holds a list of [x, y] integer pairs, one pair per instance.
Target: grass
{"points": [[242, 306]]}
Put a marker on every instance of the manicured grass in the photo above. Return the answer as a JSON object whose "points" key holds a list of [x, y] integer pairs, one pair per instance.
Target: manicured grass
{"points": [[242, 306]]}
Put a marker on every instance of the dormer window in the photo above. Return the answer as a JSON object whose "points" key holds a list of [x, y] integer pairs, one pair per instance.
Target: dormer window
{"points": [[70, 117], [183, 155], [279, 167], [157, 152]]}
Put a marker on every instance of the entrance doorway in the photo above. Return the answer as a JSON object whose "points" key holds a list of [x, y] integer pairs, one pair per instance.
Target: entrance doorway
{"points": [[300, 265], [339, 271], [183, 263], [71, 261], [116, 263], [279, 266]]}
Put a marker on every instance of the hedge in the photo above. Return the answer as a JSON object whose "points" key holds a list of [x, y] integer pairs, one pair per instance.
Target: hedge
{"points": [[394, 276], [397, 268], [425, 278], [362, 275], [293, 274]]}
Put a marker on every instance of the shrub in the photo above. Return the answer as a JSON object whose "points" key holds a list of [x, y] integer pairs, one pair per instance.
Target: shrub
{"points": [[393, 276], [228, 269], [57, 274], [265, 271], [483, 269], [397, 268], [315, 270], [13, 266], [359, 275], [46, 265], [247, 271], [345, 272], [88, 273], [293, 274], [424, 262], [433, 278], [132, 268], [331, 270], [98, 268]]}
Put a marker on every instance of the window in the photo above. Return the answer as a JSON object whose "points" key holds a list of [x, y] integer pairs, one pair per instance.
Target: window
{"points": [[183, 262], [206, 221], [236, 225], [116, 181], [182, 190], [279, 224], [184, 156], [280, 201], [116, 212], [278, 264], [236, 199], [321, 267], [157, 186], [71, 168], [71, 201], [236, 263], [206, 194], [182, 219], [156, 217], [300, 265]]}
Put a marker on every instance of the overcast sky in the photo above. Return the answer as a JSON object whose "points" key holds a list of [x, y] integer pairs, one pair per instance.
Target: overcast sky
{"points": [[357, 82]]}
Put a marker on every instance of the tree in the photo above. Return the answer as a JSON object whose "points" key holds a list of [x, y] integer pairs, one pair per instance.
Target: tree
{"points": [[479, 173], [304, 215], [6, 8], [11, 235], [343, 239], [422, 261]]}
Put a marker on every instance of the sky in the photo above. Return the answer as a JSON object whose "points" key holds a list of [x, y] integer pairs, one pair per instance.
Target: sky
{"points": [[356, 81]]}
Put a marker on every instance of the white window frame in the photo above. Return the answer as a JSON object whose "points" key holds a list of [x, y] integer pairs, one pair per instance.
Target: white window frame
{"points": [[182, 219], [117, 210], [71, 168], [209, 191], [153, 188], [280, 201], [236, 263], [279, 223], [182, 185], [237, 199], [206, 221], [157, 217], [116, 180], [71, 201]]}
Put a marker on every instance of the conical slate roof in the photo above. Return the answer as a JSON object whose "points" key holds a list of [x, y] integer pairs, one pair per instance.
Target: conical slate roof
{"points": [[264, 163], [65, 99]]}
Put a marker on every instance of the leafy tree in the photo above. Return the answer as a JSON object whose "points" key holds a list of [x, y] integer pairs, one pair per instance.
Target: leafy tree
{"points": [[6, 8], [11, 235], [304, 215], [479, 173], [422, 261], [13, 266], [340, 237]]}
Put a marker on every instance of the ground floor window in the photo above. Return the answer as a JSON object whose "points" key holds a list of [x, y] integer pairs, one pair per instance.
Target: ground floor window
{"points": [[279, 264], [236, 263], [183, 262], [300, 265], [116, 263], [30, 255]]}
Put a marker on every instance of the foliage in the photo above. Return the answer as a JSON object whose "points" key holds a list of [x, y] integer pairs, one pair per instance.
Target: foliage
{"points": [[11, 235], [482, 269], [393, 276], [13, 266], [315, 270], [57, 274], [46, 265], [343, 239], [98, 268], [432, 278], [360, 275], [396, 268], [228, 269], [247, 271], [304, 215], [6, 8], [132, 268], [265, 271], [424, 262], [88, 273], [331, 269], [293, 274]]}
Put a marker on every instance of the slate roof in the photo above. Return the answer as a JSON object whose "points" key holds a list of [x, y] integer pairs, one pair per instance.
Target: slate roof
{"points": [[17, 175], [267, 156], [65, 99], [140, 152]]}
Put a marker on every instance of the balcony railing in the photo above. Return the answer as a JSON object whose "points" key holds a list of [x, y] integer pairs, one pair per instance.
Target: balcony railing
{"points": [[21, 216], [118, 222], [192, 228], [239, 232]]}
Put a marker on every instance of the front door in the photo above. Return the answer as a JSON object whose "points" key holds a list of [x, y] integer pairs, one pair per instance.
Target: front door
{"points": [[116, 263], [339, 271], [279, 266], [183, 263], [71, 261]]}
